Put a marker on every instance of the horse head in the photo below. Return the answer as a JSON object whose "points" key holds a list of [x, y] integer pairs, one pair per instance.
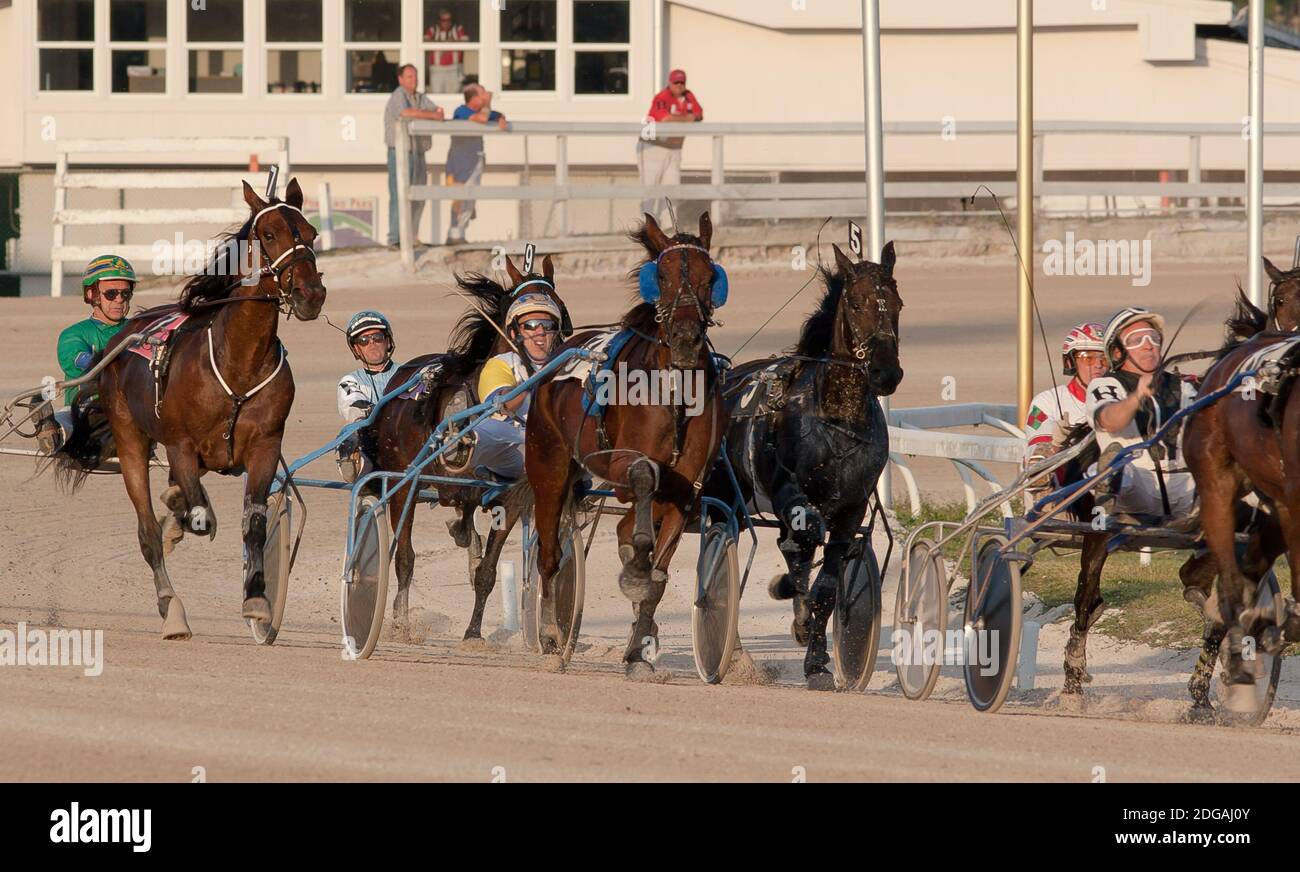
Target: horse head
{"points": [[684, 284], [284, 237], [1283, 297], [866, 324]]}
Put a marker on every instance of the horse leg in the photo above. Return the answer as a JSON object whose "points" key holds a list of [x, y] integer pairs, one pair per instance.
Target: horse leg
{"points": [[191, 509], [260, 464], [133, 452], [550, 493], [405, 559], [802, 531], [636, 581], [643, 641], [485, 574], [1088, 606]]}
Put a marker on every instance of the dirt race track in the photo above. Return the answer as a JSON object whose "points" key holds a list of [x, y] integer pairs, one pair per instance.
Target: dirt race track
{"points": [[433, 708]]}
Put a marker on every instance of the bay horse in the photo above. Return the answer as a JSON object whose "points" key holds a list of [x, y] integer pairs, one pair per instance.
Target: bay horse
{"points": [[656, 455], [222, 402], [403, 427], [813, 456]]}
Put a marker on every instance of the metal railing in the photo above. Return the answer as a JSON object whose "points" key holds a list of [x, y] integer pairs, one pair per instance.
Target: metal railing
{"points": [[806, 199]]}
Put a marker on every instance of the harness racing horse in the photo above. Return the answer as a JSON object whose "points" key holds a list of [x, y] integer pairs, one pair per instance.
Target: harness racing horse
{"points": [[656, 455], [403, 427], [222, 400], [811, 448]]}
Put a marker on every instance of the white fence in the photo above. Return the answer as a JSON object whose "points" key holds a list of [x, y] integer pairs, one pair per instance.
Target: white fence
{"points": [[813, 199], [232, 150]]}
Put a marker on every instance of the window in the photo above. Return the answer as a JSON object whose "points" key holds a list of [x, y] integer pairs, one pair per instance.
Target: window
{"points": [[601, 36], [65, 34], [293, 53], [217, 67], [529, 30], [447, 68], [137, 33], [367, 24]]}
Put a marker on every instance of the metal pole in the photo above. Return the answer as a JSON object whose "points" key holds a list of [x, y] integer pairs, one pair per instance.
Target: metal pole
{"points": [[405, 230], [875, 136], [326, 218], [1255, 155], [1025, 202]]}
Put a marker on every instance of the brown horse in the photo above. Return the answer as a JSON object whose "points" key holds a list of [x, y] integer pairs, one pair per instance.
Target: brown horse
{"points": [[222, 401], [403, 427], [655, 455]]}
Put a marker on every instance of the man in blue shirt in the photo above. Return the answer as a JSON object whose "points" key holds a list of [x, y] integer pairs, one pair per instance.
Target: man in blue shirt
{"points": [[465, 157]]}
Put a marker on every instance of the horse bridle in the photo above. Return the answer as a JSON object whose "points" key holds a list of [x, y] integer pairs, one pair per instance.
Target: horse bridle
{"points": [[863, 347], [664, 311], [278, 268]]}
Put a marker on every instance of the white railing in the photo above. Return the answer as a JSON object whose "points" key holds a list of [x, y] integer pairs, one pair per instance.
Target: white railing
{"points": [[809, 199], [162, 151]]}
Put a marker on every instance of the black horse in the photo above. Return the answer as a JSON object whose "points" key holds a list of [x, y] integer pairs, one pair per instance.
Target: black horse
{"points": [[808, 439]]}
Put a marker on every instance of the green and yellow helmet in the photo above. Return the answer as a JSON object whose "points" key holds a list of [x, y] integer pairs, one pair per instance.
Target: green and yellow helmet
{"points": [[106, 266]]}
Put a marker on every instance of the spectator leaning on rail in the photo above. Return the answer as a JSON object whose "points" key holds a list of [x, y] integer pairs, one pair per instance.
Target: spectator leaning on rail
{"points": [[660, 159], [445, 67], [405, 102], [370, 339], [465, 157], [1128, 405]]}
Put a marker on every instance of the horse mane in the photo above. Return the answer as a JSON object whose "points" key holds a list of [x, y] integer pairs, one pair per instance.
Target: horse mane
{"points": [[642, 314], [815, 335], [215, 282], [1246, 321]]}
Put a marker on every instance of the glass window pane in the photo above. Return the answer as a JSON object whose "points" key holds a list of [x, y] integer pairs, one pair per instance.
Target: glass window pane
{"points": [[445, 71], [293, 72], [372, 21], [65, 20], [528, 21], [600, 72], [601, 22], [215, 21], [219, 71], [67, 69], [137, 21], [293, 21], [453, 18], [372, 71], [142, 71], [527, 69]]}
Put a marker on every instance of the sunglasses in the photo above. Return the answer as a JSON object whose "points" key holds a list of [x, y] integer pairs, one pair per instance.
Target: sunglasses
{"points": [[111, 296], [364, 341], [538, 324], [1143, 337]]}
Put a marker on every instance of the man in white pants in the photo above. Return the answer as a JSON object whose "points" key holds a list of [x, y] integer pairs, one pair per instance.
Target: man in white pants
{"points": [[660, 159]]}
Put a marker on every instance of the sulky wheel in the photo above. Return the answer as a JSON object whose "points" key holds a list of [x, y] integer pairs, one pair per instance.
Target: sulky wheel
{"points": [[1267, 667], [991, 638], [920, 620], [716, 612], [568, 590], [275, 565], [365, 586], [856, 627]]}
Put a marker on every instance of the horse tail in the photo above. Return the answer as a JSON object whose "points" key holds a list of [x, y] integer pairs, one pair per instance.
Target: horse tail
{"points": [[519, 496], [80, 454]]}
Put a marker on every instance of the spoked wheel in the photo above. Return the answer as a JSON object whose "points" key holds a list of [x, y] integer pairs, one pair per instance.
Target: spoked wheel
{"points": [[716, 613], [568, 588], [275, 565], [856, 627], [920, 620], [991, 642], [1267, 667], [365, 586]]}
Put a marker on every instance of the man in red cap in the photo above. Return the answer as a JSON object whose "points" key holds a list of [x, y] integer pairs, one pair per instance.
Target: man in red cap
{"points": [[659, 157]]}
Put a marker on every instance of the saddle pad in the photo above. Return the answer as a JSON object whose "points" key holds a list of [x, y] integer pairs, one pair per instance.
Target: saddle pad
{"points": [[1273, 353], [757, 390], [160, 332], [581, 368]]}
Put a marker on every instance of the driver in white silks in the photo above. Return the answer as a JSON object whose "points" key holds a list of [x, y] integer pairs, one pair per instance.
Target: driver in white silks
{"points": [[370, 339], [532, 324]]}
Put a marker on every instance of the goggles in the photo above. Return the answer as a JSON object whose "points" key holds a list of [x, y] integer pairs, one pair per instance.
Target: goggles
{"points": [[1136, 340], [363, 341], [544, 324], [112, 295]]}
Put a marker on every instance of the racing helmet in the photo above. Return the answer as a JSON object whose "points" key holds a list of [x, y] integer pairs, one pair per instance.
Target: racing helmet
{"points": [[1115, 352], [369, 320], [530, 304], [106, 266], [1082, 337]]}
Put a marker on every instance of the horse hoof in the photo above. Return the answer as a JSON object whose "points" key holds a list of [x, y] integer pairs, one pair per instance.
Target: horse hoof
{"points": [[635, 586], [175, 626], [1239, 698], [781, 587], [799, 630], [173, 498], [554, 663], [256, 608], [172, 532], [1200, 713], [639, 670], [822, 681], [474, 645], [459, 534]]}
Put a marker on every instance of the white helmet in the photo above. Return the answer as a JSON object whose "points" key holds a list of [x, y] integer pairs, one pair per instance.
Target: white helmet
{"points": [[529, 304], [1121, 319]]}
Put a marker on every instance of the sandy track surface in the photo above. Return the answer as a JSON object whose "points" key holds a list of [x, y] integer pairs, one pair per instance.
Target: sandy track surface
{"points": [[428, 707]]}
